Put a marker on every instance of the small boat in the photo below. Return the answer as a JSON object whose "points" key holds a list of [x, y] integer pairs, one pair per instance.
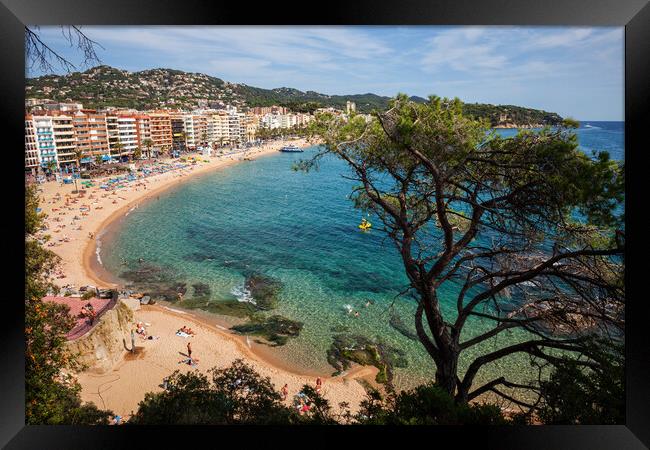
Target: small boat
{"points": [[291, 149], [365, 225]]}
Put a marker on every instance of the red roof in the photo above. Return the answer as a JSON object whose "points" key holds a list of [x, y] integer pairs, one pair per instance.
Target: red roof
{"points": [[100, 305]]}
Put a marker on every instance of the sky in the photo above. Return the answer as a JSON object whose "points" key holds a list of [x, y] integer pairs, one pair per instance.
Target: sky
{"points": [[575, 72]]}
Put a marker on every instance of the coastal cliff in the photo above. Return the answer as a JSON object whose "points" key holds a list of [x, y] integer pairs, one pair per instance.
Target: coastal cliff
{"points": [[103, 346]]}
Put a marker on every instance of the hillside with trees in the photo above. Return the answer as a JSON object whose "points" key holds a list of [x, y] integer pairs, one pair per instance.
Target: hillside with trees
{"points": [[105, 86]]}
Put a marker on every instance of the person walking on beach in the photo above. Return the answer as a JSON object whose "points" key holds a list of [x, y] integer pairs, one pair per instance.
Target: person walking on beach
{"points": [[189, 350], [319, 385], [285, 392]]}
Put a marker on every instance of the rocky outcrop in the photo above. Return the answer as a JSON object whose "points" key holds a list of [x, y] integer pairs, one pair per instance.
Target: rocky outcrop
{"points": [[103, 346]]}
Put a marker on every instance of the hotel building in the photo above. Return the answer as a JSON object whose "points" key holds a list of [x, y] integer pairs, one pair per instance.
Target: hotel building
{"points": [[49, 138], [218, 127], [32, 158], [200, 123], [122, 135], [53, 135], [142, 130], [160, 127], [178, 131], [91, 133]]}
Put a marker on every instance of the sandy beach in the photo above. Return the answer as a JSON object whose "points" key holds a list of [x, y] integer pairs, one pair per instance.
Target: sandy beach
{"points": [[125, 385]]}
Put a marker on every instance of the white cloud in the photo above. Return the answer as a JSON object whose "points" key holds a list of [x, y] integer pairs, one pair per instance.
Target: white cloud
{"points": [[511, 63]]}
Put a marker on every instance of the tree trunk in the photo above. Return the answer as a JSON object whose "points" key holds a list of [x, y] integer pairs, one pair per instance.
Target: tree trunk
{"points": [[448, 350], [446, 372]]}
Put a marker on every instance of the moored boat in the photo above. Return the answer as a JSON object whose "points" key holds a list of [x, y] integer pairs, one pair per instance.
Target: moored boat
{"points": [[291, 148]]}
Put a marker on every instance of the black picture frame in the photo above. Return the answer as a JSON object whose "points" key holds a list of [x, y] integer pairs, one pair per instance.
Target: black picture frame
{"points": [[634, 15]]}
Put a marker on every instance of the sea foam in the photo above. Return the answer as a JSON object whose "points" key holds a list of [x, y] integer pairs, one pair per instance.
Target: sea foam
{"points": [[242, 294]]}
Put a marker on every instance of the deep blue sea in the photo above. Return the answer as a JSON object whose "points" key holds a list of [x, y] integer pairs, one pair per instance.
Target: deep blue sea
{"points": [[300, 228]]}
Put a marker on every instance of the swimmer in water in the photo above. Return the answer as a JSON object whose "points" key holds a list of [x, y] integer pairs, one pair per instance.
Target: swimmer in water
{"points": [[356, 314]]}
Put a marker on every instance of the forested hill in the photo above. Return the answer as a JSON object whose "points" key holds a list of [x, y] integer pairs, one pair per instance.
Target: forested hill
{"points": [[104, 86]]}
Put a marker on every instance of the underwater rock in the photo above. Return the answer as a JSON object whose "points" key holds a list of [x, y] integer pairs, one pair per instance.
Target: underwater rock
{"points": [[347, 348], [223, 307], [201, 290], [264, 290], [146, 273], [396, 322], [162, 291], [275, 329], [199, 257]]}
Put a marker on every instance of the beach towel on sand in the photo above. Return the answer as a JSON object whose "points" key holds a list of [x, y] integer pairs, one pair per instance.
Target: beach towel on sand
{"points": [[190, 362], [182, 334]]}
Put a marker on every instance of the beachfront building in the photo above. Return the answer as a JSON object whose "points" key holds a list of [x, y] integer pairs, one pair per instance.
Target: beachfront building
{"points": [[270, 121], [122, 135], [32, 160], [200, 122], [115, 134], [160, 127], [188, 124], [91, 134], [64, 140], [288, 121], [251, 124], [218, 128], [142, 131], [111, 132], [303, 119], [235, 127], [178, 131], [53, 138]]}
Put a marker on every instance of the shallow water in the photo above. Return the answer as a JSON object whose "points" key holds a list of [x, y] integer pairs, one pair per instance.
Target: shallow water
{"points": [[261, 216]]}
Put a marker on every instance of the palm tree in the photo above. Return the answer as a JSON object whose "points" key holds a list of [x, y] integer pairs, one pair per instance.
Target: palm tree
{"points": [[117, 146], [99, 160], [137, 154], [79, 154], [183, 136], [147, 144], [51, 166]]}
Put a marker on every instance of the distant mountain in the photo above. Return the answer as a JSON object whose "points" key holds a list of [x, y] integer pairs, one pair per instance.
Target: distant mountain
{"points": [[104, 86]]}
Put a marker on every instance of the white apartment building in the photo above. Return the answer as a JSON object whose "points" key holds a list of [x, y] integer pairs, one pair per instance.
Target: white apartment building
{"points": [[288, 121], [236, 127], [122, 130], [218, 127], [271, 121], [32, 160], [226, 126], [188, 126], [54, 139]]}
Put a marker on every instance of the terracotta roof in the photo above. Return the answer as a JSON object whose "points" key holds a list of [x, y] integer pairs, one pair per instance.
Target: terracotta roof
{"points": [[82, 326]]}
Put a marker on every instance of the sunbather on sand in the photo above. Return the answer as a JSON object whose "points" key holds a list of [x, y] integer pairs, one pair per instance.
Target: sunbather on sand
{"points": [[187, 330]]}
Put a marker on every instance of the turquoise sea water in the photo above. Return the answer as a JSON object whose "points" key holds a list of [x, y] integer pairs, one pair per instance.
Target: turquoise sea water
{"points": [[300, 228]]}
